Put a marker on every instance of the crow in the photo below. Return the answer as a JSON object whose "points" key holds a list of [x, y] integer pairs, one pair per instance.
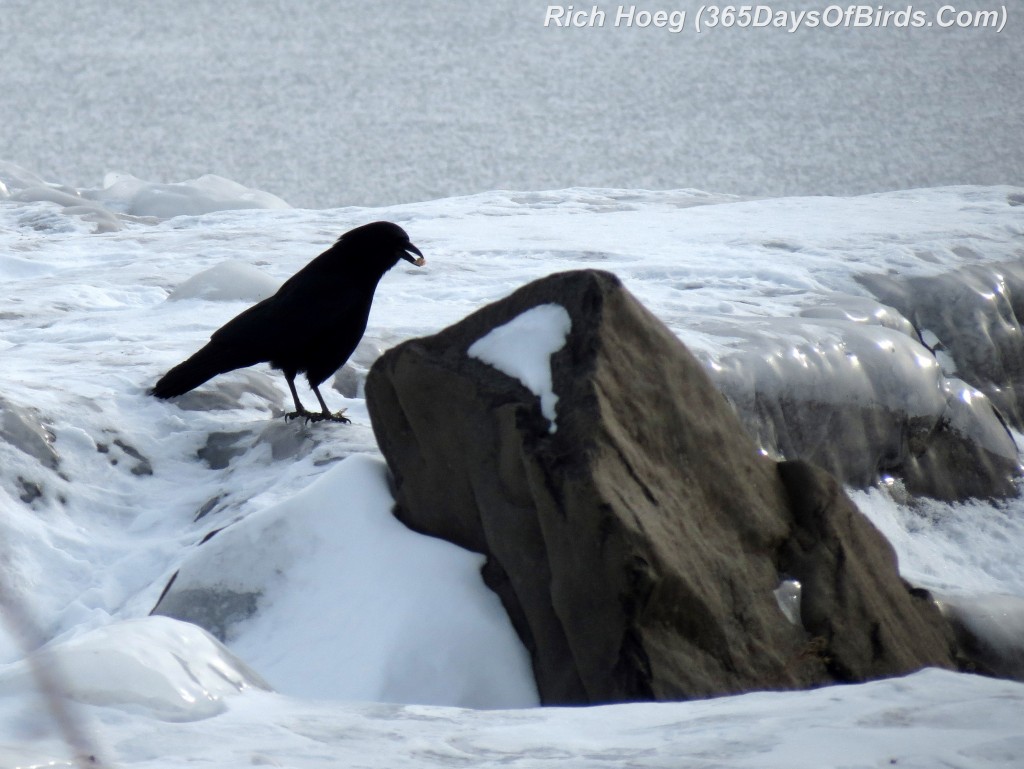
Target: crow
{"points": [[312, 324]]}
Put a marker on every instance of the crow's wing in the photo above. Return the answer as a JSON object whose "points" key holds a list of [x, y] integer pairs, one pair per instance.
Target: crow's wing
{"points": [[307, 323]]}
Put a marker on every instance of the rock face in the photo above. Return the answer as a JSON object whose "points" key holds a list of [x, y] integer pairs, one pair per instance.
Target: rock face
{"points": [[636, 540]]}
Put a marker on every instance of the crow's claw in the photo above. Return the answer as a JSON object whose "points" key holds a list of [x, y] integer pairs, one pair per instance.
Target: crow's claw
{"points": [[337, 416], [312, 416]]}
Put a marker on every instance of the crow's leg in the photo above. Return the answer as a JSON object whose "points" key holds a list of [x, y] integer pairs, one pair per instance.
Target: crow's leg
{"points": [[326, 413], [300, 410]]}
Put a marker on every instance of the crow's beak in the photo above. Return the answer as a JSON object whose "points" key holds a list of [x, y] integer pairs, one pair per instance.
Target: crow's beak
{"points": [[419, 261]]}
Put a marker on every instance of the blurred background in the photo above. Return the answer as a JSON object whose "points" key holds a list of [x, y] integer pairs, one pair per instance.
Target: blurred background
{"points": [[348, 102]]}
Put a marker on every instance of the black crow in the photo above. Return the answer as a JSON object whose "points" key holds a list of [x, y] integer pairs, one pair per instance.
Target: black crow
{"points": [[312, 324]]}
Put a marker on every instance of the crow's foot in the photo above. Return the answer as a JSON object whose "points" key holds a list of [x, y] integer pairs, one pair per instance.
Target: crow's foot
{"points": [[326, 416], [302, 414], [312, 416]]}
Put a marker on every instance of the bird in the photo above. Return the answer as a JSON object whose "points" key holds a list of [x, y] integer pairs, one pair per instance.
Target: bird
{"points": [[312, 324]]}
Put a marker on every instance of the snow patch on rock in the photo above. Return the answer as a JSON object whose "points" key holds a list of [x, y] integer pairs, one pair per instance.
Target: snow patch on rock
{"points": [[522, 348]]}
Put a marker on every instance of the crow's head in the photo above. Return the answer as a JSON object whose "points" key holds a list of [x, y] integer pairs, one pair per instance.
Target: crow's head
{"points": [[386, 241]]}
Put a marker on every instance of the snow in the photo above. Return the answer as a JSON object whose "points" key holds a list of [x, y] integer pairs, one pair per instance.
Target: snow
{"points": [[932, 718], [415, 626], [373, 638], [522, 348]]}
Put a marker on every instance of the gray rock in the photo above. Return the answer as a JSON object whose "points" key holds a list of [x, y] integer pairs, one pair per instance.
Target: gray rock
{"points": [[287, 440], [867, 401], [871, 623], [222, 447], [216, 611], [141, 464], [638, 539], [973, 315], [990, 632], [30, 490], [208, 506]]}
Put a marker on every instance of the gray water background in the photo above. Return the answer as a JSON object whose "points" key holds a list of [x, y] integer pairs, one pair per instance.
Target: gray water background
{"points": [[345, 102]]}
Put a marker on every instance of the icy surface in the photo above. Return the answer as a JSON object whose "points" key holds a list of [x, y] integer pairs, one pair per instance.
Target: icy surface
{"points": [[116, 492], [787, 594], [208, 193], [123, 196], [154, 666], [230, 281], [994, 626], [522, 348]]}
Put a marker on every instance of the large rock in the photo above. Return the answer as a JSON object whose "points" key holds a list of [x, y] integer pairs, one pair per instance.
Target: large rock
{"points": [[851, 388], [971, 318], [633, 531]]}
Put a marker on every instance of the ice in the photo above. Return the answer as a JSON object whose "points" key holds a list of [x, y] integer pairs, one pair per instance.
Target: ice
{"points": [[787, 594], [231, 281], [993, 627], [123, 195], [875, 364], [128, 195], [879, 386], [155, 666], [522, 348], [334, 602], [23, 430]]}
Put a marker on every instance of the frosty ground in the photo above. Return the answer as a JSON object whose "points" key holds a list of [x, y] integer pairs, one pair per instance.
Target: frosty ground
{"points": [[382, 647]]}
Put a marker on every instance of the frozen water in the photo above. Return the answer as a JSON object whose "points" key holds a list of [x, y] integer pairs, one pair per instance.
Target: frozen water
{"points": [[126, 194], [993, 627], [230, 281], [155, 666], [144, 489], [787, 594], [23, 430], [522, 348], [123, 196]]}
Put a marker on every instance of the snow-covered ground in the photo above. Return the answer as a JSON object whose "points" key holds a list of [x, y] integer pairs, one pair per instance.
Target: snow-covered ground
{"points": [[370, 645], [350, 102]]}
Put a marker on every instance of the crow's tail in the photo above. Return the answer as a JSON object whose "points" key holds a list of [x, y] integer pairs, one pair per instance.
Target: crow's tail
{"points": [[215, 358]]}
